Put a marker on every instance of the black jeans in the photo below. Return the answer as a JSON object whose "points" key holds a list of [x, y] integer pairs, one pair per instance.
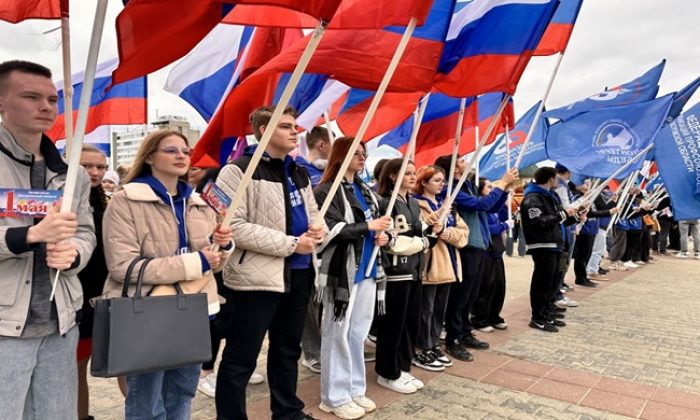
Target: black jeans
{"points": [[634, 246], [397, 328], [254, 314], [487, 309], [544, 281], [582, 253], [432, 314], [463, 294]]}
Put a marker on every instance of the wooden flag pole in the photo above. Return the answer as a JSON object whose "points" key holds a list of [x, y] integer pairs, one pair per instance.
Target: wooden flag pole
{"points": [[538, 115], [448, 203], [327, 121], [402, 171], [272, 125], [77, 142], [455, 148], [367, 119], [67, 82]]}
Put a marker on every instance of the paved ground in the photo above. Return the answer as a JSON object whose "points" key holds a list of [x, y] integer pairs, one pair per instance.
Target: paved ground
{"points": [[631, 350]]}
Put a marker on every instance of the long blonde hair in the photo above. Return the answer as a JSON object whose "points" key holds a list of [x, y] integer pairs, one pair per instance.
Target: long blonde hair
{"points": [[148, 146]]}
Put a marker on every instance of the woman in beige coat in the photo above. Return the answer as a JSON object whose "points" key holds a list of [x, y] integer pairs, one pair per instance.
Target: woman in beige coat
{"points": [[158, 216], [442, 267]]}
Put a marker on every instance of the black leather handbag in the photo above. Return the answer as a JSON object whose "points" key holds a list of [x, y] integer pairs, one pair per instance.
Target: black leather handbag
{"points": [[143, 334]]}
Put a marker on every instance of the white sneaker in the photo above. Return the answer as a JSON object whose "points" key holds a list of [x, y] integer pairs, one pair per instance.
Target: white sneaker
{"points": [[371, 341], [312, 364], [487, 329], [364, 402], [256, 379], [618, 266], [500, 326], [347, 411], [565, 302], [640, 262], [397, 385], [630, 264], [413, 380], [207, 385]]}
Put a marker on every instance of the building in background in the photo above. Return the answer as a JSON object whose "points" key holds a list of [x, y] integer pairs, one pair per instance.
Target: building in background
{"points": [[127, 141]]}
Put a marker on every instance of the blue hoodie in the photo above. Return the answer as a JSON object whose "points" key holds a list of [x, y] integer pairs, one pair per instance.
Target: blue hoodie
{"points": [[315, 174], [298, 216], [474, 212], [178, 204]]}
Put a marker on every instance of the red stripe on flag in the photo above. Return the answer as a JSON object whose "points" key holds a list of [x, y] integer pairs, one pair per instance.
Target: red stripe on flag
{"points": [[15, 11], [482, 74], [555, 39], [117, 111]]}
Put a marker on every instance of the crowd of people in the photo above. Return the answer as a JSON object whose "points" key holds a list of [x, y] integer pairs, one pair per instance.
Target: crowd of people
{"points": [[394, 271]]}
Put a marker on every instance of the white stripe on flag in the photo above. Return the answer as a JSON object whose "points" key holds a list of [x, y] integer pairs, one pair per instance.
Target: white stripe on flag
{"points": [[332, 90], [217, 49]]}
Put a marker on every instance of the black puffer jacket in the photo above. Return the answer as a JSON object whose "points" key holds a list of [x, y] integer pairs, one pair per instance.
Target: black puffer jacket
{"points": [[542, 217]]}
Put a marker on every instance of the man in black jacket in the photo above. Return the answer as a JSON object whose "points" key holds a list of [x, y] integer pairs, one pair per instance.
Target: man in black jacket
{"points": [[544, 220]]}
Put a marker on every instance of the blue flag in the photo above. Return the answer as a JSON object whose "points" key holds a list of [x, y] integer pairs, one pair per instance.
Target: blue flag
{"points": [[678, 159], [680, 98], [643, 88], [493, 164], [597, 143]]}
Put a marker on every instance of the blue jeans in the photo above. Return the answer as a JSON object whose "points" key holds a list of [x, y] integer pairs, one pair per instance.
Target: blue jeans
{"points": [[162, 395]]}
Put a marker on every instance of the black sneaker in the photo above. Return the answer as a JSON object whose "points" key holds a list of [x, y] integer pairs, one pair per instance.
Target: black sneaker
{"points": [[557, 322], [566, 287], [474, 343], [555, 308], [437, 353], [457, 350], [543, 326], [603, 271], [306, 416], [425, 360], [586, 283], [555, 315]]}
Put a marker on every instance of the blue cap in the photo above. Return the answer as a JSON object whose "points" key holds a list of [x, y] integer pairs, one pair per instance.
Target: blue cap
{"points": [[561, 168]]}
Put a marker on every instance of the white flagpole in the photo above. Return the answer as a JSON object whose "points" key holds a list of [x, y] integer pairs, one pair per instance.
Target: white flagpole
{"points": [[327, 120], [274, 120], [477, 149], [86, 94], [67, 82], [622, 201], [367, 119], [402, 171], [510, 195], [497, 117], [455, 148], [538, 115]]}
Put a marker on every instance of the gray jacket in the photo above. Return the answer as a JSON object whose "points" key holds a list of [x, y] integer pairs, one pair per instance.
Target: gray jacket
{"points": [[16, 256]]}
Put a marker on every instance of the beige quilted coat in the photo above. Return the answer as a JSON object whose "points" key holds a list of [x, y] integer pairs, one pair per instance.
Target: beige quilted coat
{"points": [[259, 230], [137, 222]]}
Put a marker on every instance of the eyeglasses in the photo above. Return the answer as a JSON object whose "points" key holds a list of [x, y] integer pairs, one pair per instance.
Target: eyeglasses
{"points": [[364, 155], [439, 181], [172, 150], [89, 166]]}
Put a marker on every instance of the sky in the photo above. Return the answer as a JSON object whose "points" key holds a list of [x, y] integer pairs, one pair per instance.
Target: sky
{"points": [[614, 41]]}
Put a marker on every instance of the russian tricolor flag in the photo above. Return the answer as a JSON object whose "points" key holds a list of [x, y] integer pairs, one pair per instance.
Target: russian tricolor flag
{"points": [[489, 44], [203, 76], [556, 36], [437, 132], [122, 104]]}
